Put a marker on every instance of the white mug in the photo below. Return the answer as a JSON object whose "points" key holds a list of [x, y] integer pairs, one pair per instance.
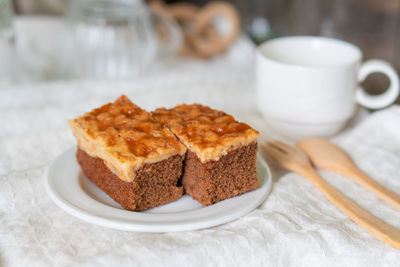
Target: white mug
{"points": [[309, 86]]}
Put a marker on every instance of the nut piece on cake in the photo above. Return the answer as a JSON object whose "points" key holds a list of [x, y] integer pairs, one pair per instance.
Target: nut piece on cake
{"points": [[129, 155], [222, 152]]}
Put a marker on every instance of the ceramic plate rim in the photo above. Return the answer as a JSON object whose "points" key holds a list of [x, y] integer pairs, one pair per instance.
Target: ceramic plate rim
{"points": [[150, 222]]}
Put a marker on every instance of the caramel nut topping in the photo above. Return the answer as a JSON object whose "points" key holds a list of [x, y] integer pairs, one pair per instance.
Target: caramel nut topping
{"points": [[124, 136], [208, 132]]}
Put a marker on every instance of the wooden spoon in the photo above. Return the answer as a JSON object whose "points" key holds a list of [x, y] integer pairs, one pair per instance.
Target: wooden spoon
{"points": [[326, 155], [295, 160]]}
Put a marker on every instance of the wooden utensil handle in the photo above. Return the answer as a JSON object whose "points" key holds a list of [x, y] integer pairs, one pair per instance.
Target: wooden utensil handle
{"points": [[375, 226], [363, 179]]}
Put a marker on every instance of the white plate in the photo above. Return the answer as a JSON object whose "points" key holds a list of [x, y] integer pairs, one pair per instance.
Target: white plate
{"points": [[69, 188]]}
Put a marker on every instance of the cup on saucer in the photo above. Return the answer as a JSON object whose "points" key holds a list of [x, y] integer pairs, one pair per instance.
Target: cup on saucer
{"points": [[309, 86]]}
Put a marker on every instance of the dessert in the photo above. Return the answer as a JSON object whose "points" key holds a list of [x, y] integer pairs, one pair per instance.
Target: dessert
{"points": [[222, 153], [129, 155]]}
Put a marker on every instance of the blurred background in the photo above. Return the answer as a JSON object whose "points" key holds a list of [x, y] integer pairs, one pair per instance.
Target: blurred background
{"points": [[372, 25]]}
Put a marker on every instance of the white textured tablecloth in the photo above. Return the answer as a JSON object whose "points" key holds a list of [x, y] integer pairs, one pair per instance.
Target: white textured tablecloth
{"points": [[295, 226]]}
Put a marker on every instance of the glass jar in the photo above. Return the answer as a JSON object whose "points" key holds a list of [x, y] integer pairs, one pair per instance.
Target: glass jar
{"points": [[7, 44], [115, 38]]}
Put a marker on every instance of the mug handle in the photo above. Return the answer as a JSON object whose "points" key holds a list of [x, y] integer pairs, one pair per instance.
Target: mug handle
{"points": [[387, 97]]}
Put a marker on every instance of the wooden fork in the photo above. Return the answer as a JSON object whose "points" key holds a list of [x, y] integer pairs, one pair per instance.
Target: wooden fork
{"points": [[295, 160]]}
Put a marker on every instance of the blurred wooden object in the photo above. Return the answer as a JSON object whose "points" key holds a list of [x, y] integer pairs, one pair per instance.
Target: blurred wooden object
{"points": [[203, 38]]}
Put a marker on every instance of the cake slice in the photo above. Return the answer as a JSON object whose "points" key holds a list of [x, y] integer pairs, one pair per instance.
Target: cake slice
{"points": [[222, 152], [129, 155]]}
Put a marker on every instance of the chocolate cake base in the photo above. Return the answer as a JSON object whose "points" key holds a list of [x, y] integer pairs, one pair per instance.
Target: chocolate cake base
{"points": [[232, 175], [155, 184]]}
